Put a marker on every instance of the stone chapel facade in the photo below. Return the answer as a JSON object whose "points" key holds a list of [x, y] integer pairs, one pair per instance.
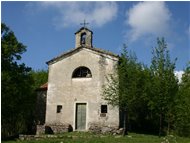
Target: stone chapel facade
{"points": [[74, 88]]}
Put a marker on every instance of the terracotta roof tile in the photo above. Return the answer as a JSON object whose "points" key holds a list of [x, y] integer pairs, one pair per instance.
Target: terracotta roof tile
{"points": [[43, 87]]}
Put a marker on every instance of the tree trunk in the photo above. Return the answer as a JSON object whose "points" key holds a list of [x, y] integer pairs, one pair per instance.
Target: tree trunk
{"points": [[169, 124], [168, 132], [125, 123], [160, 128]]}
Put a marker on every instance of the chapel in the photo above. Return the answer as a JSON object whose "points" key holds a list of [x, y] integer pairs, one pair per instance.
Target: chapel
{"points": [[75, 83]]}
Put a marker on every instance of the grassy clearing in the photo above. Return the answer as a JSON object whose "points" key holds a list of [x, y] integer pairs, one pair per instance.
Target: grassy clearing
{"points": [[84, 137]]}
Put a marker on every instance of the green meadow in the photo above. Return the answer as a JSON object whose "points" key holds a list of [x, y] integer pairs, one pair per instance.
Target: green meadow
{"points": [[85, 137]]}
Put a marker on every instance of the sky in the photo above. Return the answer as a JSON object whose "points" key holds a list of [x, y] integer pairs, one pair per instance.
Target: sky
{"points": [[47, 28]]}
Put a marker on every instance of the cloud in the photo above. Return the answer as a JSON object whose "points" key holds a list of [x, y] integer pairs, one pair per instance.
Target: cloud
{"points": [[179, 74], [73, 13], [148, 18]]}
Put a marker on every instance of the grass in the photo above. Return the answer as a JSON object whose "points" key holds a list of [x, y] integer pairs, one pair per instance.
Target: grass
{"points": [[85, 137]]}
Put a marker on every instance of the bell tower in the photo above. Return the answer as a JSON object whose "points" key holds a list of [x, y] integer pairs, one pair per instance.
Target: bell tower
{"points": [[83, 37]]}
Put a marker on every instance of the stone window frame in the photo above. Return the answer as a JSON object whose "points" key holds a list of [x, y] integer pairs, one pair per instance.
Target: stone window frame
{"points": [[82, 72], [59, 108], [104, 109]]}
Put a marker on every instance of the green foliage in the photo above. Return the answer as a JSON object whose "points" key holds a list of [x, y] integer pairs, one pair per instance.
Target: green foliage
{"points": [[77, 137], [129, 76], [123, 87], [16, 95], [182, 120], [40, 77], [18, 86], [146, 95], [164, 85], [111, 90], [11, 49]]}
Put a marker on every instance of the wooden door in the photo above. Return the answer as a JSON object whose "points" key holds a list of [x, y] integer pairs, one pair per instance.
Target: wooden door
{"points": [[80, 116]]}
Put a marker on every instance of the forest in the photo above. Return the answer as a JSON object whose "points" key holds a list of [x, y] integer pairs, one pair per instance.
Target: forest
{"points": [[151, 98]]}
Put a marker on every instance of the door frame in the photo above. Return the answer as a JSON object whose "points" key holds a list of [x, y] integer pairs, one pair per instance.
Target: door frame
{"points": [[74, 120]]}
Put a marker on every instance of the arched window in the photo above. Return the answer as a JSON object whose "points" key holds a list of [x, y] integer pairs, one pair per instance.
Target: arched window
{"points": [[82, 72], [83, 38]]}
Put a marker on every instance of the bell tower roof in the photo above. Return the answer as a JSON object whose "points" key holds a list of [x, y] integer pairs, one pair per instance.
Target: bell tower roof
{"points": [[83, 28]]}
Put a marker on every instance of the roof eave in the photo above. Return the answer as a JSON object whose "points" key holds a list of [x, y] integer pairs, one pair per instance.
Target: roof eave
{"points": [[82, 29], [79, 48]]}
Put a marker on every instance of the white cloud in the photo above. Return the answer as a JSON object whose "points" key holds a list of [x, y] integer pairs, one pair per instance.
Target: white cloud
{"points": [[152, 18], [179, 74], [73, 13]]}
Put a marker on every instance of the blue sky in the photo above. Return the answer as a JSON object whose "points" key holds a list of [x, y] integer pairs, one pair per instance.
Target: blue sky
{"points": [[47, 28]]}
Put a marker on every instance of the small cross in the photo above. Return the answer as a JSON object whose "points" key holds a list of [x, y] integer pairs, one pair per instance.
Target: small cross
{"points": [[85, 23]]}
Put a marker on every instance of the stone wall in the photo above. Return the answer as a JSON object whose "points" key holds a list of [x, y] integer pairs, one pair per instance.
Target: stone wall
{"points": [[40, 129], [53, 129], [104, 129], [41, 106], [65, 91], [63, 128]]}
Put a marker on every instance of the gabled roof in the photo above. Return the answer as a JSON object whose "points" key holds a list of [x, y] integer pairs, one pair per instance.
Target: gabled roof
{"points": [[78, 49], [82, 29], [43, 87]]}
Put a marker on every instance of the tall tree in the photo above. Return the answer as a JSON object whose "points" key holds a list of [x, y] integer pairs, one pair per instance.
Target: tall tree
{"points": [[16, 94], [182, 118], [121, 89], [164, 84]]}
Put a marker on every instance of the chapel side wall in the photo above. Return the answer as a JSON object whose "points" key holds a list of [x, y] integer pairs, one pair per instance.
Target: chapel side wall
{"points": [[67, 91], [40, 107]]}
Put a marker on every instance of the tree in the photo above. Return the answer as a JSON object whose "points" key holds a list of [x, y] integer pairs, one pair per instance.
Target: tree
{"points": [[40, 77], [164, 85], [17, 95], [182, 122], [121, 89]]}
